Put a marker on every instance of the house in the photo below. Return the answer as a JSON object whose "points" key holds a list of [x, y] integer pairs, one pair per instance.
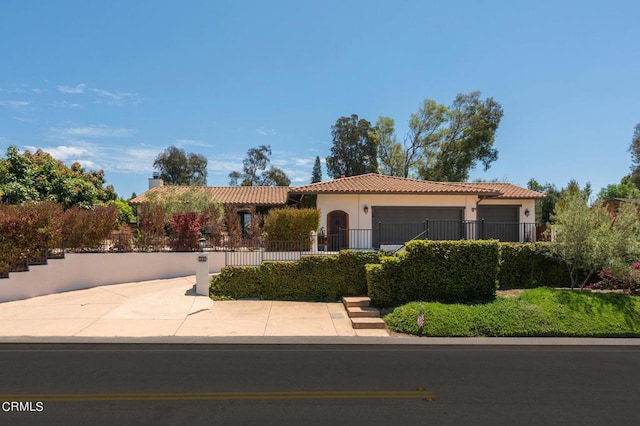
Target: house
{"points": [[372, 210], [376, 211]]}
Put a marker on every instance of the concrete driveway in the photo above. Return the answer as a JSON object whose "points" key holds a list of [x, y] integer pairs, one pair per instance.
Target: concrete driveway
{"points": [[168, 307]]}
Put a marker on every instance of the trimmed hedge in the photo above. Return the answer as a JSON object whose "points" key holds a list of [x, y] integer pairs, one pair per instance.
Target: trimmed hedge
{"points": [[530, 265], [312, 278], [290, 224], [442, 271]]}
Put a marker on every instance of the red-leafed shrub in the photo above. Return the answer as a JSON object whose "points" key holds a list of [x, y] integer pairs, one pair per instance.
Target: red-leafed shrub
{"points": [[151, 229], [88, 229], [185, 231]]}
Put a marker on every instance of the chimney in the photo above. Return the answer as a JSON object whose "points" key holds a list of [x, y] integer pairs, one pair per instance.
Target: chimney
{"points": [[341, 176], [155, 181]]}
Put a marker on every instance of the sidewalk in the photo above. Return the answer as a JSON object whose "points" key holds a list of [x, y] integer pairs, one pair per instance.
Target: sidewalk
{"points": [[168, 307]]}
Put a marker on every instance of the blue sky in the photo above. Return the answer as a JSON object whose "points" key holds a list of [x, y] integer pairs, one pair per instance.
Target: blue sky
{"points": [[112, 84]]}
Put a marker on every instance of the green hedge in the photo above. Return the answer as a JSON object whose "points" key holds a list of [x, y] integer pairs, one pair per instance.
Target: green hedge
{"points": [[529, 265], [312, 278], [443, 271], [290, 224]]}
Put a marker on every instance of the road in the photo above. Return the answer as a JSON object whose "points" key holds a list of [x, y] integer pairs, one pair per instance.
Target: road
{"points": [[100, 384]]}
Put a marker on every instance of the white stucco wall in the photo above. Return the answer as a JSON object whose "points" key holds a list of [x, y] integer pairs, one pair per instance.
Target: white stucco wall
{"points": [[78, 271], [353, 205]]}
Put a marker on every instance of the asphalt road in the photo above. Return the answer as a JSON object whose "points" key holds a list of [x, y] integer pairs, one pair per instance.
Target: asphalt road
{"points": [[100, 384]]}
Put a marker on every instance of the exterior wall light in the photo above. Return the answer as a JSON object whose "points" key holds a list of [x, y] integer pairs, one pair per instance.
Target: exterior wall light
{"points": [[527, 212], [365, 209]]}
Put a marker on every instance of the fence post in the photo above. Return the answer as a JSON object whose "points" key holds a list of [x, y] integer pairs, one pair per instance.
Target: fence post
{"points": [[313, 236], [482, 229]]}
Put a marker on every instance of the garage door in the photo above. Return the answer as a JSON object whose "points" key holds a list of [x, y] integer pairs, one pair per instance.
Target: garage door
{"points": [[396, 225], [498, 222]]}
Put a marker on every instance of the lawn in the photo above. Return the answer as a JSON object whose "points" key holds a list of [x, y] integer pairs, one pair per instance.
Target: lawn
{"points": [[535, 312]]}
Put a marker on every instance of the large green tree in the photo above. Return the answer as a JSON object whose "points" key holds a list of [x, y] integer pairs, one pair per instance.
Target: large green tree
{"points": [[354, 151], [179, 168], [255, 172], [624, 189], [38, 177], [443, 143]]}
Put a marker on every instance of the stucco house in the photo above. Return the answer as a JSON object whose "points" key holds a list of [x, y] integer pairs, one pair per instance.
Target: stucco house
{"points": [[378, 211], [374, 210]]}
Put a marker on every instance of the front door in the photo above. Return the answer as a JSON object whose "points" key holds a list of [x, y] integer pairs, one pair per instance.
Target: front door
{"points": [[338, 224]]}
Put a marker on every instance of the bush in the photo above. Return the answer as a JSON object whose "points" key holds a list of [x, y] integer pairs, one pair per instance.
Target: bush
{"points": [[185, 231], [530, 265], [290, 224], [444, 271], [312, 278], [27, 231], [87, 229], [536, 312]]}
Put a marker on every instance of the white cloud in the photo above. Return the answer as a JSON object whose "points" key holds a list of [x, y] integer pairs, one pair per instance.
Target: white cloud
{"points": [[117, 98], [64, 104], [63, 152], [268, 132], [92, 131], [87, 164], [16, 105], [193, 142], [77, 90]]}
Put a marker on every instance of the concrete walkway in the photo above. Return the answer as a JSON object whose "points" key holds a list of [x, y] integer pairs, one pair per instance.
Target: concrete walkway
{"points": [[168, 307]]}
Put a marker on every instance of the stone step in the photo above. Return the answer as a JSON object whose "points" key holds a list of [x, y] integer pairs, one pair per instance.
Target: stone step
{"points": [[367, 323], [365, 312], [356, 301]]}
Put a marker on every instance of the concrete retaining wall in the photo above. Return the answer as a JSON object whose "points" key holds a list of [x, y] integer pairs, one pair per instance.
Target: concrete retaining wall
{"points": [[78, 271]]}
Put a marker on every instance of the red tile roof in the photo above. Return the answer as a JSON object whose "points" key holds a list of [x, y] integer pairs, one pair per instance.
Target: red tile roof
{"points": [[508, 190], [373, 183], [240, 195]]}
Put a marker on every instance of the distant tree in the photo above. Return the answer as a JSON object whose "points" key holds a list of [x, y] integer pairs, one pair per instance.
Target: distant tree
{"points": [[624, 189], [178, 168], [316, 175], [392, 157], [255, 172], [634, 149], [38, 177], [354, 150], [443, 144], [546, 206]]}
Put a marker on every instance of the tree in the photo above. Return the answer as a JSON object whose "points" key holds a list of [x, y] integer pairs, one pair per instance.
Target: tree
{"points": [[442, 144], [255, 172], [392, 157], [634, 148], [354, 150], [38, 177], [316, 175], [178, 168], [546, 206], [625, 189], [589, 239]]}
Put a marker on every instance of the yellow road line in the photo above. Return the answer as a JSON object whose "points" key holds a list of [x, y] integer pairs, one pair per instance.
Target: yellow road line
{"points": [[213, 396]]}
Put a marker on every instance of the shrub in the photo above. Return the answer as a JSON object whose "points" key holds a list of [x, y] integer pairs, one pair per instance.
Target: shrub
{"points": [[291, 224], [27, 231], [185, 231], [87, 229], [151, 231], [529, 265], [444, 271], [536, 312], [312, 278]]}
